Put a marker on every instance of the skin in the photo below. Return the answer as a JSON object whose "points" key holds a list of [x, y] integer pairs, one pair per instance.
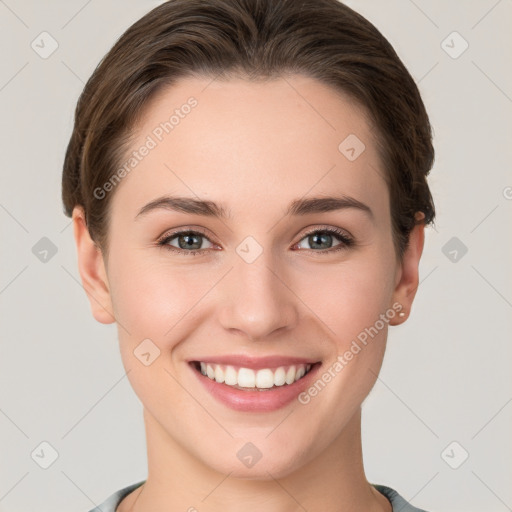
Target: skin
{"points": [[253, 147]]}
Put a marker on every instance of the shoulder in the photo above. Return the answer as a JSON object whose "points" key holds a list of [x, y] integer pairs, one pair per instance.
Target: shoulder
{"points": [[398, 502], [112, 502]]}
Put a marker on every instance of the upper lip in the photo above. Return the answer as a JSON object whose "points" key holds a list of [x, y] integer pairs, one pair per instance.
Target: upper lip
{"points": [[255, 363]]}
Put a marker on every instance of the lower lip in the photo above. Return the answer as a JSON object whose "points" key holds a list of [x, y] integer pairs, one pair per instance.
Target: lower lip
{"points": [[268, 400]]}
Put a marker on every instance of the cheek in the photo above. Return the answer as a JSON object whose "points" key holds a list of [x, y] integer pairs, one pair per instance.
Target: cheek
{"points": [[353, 303], [350, 296], [154, 306], [143, 299], [155, 299]]}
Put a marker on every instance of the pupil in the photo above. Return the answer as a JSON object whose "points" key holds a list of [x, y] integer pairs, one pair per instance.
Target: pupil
{"points": [[190, 242], [313, 239]]}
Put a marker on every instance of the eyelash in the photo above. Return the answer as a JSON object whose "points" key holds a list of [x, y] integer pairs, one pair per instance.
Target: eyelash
{"points": [[340, 235]]}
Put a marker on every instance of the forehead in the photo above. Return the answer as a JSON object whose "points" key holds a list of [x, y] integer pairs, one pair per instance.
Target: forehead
{"points": [[244, 143]]}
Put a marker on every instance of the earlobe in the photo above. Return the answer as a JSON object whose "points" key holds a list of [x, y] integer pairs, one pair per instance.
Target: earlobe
{"points": [[408, 281], [92, 270]]}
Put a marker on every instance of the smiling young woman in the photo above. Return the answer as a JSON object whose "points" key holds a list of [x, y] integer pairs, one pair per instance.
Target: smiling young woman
{"points": [[247, 182]]}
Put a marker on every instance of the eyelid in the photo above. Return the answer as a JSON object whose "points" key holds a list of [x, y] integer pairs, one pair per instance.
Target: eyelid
{"points": [[185, 229], [329, 228]]}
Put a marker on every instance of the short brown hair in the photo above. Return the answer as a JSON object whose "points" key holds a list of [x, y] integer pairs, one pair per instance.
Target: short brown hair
{"points": [[323, 39]]}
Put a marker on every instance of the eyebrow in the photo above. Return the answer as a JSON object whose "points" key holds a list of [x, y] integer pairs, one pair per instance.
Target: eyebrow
{"points": [[211, 209]]}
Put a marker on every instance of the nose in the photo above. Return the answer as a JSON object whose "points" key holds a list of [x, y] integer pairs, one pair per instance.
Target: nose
{"points": [[257, 300]]}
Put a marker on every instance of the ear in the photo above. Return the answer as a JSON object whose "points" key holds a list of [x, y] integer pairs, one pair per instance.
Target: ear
{"points": [[407, 280], [92, 270]]}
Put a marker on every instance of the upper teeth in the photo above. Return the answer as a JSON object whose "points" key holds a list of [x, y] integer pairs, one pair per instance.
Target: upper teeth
{"points": [[248, 378]]}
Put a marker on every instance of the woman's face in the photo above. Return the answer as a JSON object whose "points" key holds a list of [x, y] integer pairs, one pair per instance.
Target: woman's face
{"points": [[259, 283]]}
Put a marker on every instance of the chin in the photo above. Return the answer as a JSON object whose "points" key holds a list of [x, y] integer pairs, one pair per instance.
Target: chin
{"points": [[266, 464]]}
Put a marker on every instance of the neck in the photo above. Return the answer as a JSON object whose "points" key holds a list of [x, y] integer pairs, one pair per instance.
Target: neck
{"points": [[334, 480]]}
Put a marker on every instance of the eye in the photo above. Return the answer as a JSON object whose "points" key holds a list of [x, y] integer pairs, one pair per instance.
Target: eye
{"points": [[323, 239], [188, 242]]}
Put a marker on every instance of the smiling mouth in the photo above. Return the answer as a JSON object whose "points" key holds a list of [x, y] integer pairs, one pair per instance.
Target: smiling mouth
{"points": [[247, 379]]}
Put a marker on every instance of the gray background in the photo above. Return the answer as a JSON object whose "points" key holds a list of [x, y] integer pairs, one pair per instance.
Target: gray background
{"points": [[446, 376]]}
